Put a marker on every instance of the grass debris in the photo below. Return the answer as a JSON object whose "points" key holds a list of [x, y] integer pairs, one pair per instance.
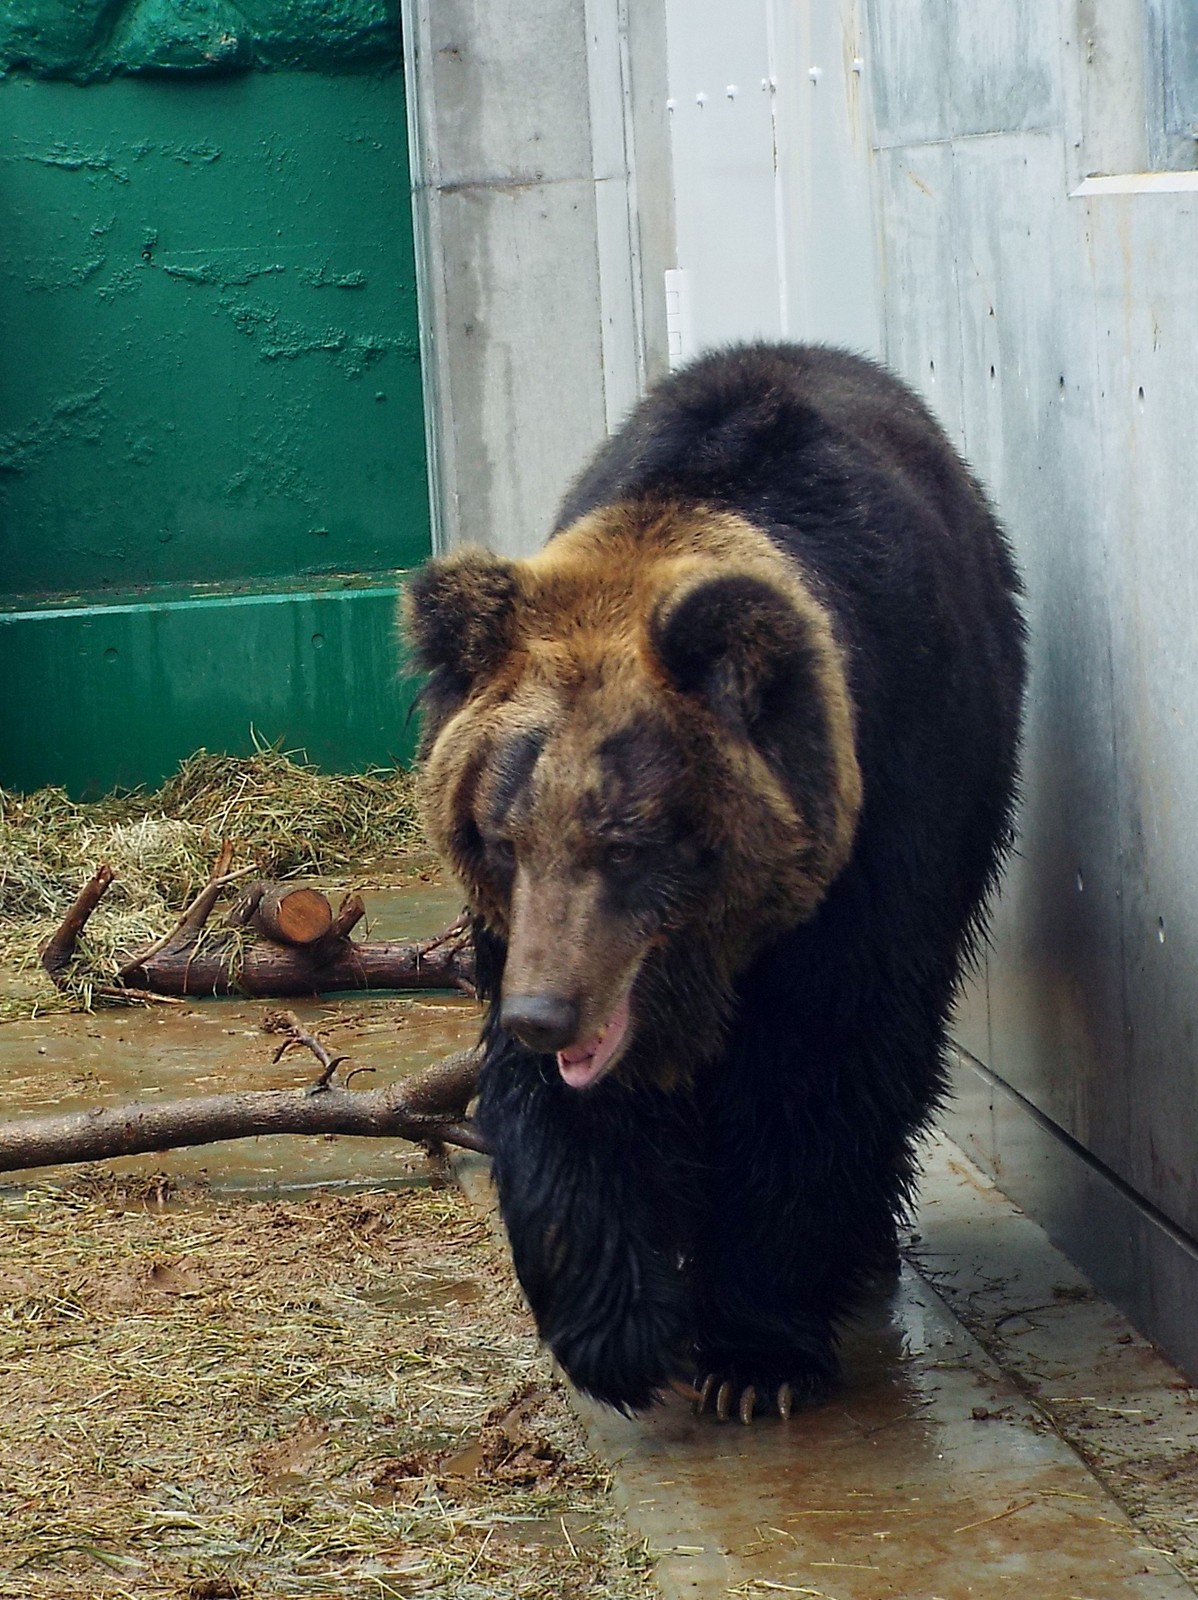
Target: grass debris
{"points": [[294, 1397], [286, 819]]}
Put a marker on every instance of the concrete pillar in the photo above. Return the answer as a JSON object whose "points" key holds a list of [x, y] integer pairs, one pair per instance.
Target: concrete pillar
{"points": [[538, 147]]}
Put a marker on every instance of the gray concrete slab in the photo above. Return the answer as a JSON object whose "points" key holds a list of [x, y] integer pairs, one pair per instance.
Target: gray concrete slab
{"points": [[934, 1474], [1121, 1404]]}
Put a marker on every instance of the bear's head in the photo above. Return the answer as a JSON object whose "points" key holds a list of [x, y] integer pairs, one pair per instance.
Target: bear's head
{"points": [[638, 758]]}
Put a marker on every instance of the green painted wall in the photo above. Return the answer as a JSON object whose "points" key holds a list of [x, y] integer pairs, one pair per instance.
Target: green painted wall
{"points": [[210, 404]]}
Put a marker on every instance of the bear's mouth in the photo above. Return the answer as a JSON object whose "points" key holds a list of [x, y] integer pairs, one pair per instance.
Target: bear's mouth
{"points": [[583, 1064]]}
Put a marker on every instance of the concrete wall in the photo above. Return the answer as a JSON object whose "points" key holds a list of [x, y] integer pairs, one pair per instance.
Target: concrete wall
{"points": [[1045, 298], [538, 228]]}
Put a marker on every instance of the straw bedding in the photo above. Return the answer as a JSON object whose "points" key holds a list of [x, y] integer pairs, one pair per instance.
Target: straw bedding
{"points": [[331, 1396]]}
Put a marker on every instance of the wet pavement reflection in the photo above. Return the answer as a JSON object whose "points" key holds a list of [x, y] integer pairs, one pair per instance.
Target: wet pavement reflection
{"points": [[930, 1476]]}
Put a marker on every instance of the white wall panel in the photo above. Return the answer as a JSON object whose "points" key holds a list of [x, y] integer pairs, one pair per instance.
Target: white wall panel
{"points": [[722, 139], [771, 165]]}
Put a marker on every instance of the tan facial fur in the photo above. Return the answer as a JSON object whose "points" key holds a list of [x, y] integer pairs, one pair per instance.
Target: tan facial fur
{"points": [[606, 821]]}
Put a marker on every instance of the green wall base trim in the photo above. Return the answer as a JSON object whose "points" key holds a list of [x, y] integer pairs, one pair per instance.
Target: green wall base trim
{"points": [[102, 697], [156, 597]]}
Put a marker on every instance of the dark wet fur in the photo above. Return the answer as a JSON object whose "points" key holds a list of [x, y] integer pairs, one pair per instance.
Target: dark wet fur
{"points": [[725, 1226]]}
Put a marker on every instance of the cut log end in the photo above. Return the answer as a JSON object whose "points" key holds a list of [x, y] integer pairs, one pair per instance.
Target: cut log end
{"points": [[293, 915]]}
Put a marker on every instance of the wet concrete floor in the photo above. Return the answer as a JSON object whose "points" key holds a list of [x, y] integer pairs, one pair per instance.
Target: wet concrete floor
{"points": [[937, 1473]]}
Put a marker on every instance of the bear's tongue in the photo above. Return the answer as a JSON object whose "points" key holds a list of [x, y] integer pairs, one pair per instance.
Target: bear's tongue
{"points": [[581, 1064]]}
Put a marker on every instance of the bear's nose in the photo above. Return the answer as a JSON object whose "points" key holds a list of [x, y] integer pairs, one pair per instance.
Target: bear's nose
{"points": [[543, 1022]]}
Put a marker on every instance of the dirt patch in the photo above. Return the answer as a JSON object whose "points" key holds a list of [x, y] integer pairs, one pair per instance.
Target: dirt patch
{"points": [[1157, 1486], [296, 1397]]}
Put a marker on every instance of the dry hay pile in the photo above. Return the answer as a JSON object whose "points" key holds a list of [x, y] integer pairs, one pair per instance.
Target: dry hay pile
{"points": [[268, 1399], [285, 818]]}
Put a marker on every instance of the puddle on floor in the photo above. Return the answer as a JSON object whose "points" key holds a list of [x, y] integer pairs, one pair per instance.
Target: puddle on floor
{"points": [[934, 1473], [72, 1061], [426, 1293]]}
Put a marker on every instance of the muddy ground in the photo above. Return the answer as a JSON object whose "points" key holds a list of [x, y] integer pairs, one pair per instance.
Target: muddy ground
{"points": [[289, 1367]]}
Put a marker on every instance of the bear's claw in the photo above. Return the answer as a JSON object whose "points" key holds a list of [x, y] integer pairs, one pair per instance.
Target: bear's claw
{"points": [[726, 1397]]}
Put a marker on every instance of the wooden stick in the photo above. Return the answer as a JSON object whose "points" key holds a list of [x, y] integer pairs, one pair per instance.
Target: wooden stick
{"points": [[58, 949], [130, 997], [349, 913], [337, 942], [287, 1022], [401, 1111], [196, 915], [458, 930], [242, 911]]}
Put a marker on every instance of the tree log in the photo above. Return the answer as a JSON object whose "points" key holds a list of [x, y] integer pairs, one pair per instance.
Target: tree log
{"points": [[427, 1109], [218, 968], [182, 962], [293, 915]]}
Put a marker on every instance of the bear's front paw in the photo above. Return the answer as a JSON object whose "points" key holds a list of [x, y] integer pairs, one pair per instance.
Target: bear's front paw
{"points": [[766, 1396]]}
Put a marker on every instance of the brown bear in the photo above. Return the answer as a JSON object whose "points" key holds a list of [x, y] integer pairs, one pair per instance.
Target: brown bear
{"points": [[727, 772]]}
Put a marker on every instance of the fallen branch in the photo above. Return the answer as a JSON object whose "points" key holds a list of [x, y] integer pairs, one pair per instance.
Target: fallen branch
{"points": [[287, 1022], [186, 962], [60, 946], [350, 912], [191, 924], [429, 1108]]}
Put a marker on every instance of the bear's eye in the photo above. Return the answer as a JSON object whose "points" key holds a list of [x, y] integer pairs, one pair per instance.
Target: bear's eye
{"points": [[620, 854], [502, 852]]}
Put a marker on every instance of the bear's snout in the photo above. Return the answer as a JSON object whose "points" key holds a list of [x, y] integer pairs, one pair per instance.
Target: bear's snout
{"points": [[544, 1022]]}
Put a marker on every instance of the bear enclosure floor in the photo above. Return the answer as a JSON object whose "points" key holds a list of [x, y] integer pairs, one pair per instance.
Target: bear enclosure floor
{"points": [[1002, 1431], [279, 1366], [214, 1414]]}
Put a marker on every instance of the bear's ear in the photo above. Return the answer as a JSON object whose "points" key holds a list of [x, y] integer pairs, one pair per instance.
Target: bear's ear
{"points": [[735, 641], [460, 613]]}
